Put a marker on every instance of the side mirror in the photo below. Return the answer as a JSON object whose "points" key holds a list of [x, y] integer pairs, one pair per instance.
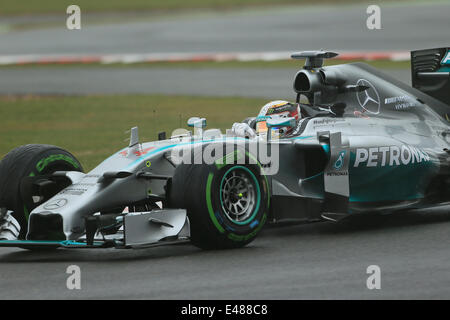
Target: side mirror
{"points": [[196, 122], [279, 122]]}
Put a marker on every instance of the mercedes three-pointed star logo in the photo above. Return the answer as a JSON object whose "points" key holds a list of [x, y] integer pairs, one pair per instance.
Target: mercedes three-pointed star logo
{"points": [[369, 100], [55, 204]]}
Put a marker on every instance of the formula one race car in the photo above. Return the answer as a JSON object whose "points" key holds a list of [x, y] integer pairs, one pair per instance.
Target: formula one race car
{"points": [[364, 143]]}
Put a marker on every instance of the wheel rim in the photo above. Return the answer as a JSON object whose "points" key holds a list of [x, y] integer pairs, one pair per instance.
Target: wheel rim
{"points": [[239, 195]]}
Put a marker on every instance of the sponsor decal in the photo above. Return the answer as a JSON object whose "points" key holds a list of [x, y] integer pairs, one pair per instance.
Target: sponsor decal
{"points": [[389, 156], [359, 114], [85, 184], [369, 99], [92, 176], [340, 160], [401, 102], [73, 191], [336, 174], [144, 151], [325, 122], [138, 153], [282, 110], [446, 59]]}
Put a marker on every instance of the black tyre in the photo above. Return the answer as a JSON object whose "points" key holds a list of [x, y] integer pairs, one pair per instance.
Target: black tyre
{"points": [[29, 161], [226, 205]]}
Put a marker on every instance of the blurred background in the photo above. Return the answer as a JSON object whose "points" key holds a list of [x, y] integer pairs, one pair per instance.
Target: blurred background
{"points": [[156, 63]]}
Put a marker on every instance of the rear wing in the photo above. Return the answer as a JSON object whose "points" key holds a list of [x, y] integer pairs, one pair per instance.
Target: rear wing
{"points": [[430, 72]]}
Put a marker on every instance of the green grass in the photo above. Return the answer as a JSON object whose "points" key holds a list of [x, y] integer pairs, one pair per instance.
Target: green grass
{"points": [[294, 64], [93, 127], [14, 7]]}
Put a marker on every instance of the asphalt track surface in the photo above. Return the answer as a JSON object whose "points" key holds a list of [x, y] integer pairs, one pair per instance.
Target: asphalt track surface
{"points": [[314, 261], [405, 26], [270, 83]]}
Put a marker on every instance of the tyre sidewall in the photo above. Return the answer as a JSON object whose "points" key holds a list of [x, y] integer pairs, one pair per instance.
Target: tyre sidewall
{"points": [[29, 161]]}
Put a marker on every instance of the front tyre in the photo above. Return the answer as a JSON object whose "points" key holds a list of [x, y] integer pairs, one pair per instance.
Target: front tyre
{"points": [[227, 206], [30, 160]]}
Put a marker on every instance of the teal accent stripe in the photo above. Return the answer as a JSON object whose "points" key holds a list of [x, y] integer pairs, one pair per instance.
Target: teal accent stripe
{"points": [[314, 176], [326, 148], [19, 242], [298, 138], [64, 243], [412, 197], [150, 154]]}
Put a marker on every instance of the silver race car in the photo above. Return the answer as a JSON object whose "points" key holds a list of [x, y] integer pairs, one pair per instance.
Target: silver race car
{"points": [[358, 142]]}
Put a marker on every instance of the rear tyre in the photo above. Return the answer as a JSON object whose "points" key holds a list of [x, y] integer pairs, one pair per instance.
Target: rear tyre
{"points": [[226, 205], [29, 161]]}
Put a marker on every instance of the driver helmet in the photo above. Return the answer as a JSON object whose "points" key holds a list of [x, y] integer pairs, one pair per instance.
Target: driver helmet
{"points": [[278, 108]]}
